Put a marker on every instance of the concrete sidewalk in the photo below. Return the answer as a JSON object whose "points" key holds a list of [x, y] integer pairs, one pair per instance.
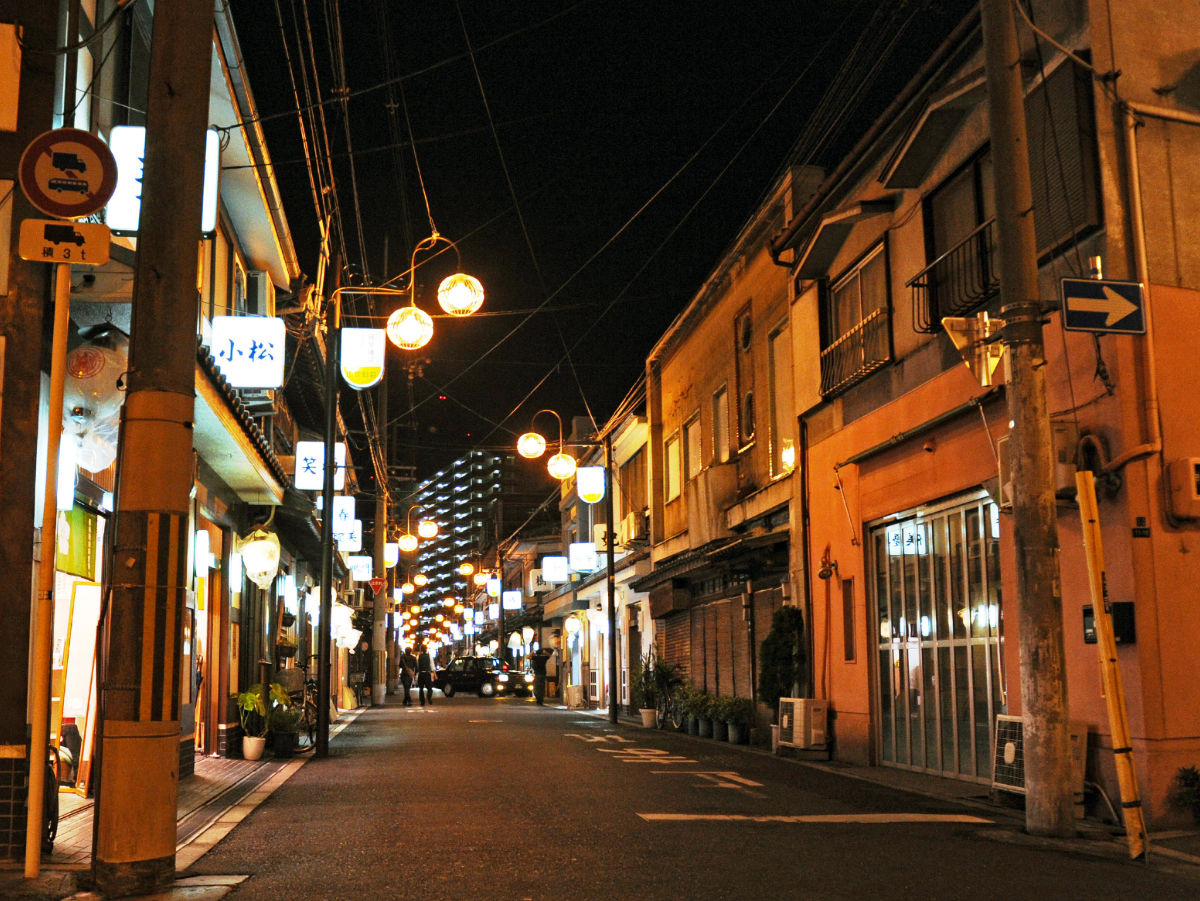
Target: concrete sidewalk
{"points": [[212, 801]]}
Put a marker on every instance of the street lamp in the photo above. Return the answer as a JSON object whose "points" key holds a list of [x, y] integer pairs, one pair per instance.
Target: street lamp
{"points": [[410, 327], [426, 528], [562, 466], [532, 445]]}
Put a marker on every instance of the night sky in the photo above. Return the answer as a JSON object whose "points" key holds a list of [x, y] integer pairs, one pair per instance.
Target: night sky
{"points": [[547, 177]]}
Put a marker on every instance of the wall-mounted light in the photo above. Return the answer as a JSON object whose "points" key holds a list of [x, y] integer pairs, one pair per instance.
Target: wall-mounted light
{"points": [[260, 556]]}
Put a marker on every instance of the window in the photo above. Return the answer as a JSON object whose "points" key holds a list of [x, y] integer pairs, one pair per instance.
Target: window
{"points": [[779, 360], [857, 323], [721, 425], [632, 479], [671, 473], [744, 375], [692, 449], [959, 215]]}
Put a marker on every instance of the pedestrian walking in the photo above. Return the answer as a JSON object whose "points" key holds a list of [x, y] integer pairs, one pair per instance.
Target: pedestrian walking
{"points": [[538, 662], [425, 676], [408, 673]]}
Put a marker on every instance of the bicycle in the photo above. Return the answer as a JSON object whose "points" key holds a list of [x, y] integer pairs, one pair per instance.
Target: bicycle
{"points": [[668, 709], [304, 700]]}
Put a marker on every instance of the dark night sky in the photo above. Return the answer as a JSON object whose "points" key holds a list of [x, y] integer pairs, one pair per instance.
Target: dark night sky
{"points": [[596, 106]]}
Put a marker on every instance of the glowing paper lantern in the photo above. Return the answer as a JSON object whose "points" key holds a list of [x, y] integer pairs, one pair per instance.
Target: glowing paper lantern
{"points": [[460, 294], [531, 445], [409, 328]]}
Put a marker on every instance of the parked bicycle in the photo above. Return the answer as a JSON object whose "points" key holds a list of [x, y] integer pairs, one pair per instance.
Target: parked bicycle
{"points": [[304, 700], [668, 683]]}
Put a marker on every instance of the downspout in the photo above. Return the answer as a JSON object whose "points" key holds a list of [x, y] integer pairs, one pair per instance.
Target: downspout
{"points": [[806, 551]]}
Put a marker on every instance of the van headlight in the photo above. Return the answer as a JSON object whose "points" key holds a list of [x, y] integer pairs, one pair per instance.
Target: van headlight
{"points": [[503, 677], [528, 678]]}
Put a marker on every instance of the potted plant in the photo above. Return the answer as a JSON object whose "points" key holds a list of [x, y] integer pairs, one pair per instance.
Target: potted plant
{"points": [[781, 662], [669, 683], [1185, 791], [284, 726], [720, 726], [702, 710], [738, 714], [644, 689], [686, 704], [252, 711], [285, 648]]}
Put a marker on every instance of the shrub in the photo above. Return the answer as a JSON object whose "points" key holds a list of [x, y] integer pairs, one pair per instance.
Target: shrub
{"points": [[735, 710], [1185, 790], [643, 686], [781, 657]]}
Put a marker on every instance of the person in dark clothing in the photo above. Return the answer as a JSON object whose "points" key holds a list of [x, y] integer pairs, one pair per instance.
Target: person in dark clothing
{"points": [[408, 674], [538, 663], [425, 676]]}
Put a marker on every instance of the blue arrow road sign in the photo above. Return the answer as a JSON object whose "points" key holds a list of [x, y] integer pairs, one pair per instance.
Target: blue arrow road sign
{"points": [[1102, 305]]}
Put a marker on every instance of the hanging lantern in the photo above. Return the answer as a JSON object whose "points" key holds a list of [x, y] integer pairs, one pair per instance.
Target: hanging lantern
{"points": [[260, 556], [466, 569], [408, 588], [427, 528], [561, 466], [481, 578], [391, 554], [420, 580], [407, 542], [460, 294], [409, 328], [589, 483], [531, 445]]}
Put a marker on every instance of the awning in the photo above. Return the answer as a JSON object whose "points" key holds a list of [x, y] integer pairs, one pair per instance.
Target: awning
{"points": [[562, 606]]}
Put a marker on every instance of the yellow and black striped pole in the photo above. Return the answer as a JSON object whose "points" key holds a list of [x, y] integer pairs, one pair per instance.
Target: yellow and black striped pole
{"points": [[1110, 671]]}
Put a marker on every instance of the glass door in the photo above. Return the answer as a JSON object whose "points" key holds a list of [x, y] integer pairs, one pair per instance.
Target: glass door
{"points": [[940, 681]]}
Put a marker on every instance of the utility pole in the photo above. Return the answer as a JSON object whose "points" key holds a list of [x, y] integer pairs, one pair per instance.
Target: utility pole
{"points": [[26, 110], [610, 577], [1048, 799], [382, 600], [134, 847]]}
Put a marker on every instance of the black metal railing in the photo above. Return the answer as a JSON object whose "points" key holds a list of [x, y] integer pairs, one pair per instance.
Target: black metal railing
{"points": [[958, 282], [857, 353]]}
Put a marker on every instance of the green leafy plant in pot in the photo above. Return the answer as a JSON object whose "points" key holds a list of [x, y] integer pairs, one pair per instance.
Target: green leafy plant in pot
{"points": [[644, 689], [252, 711], [738, 714], [1185, 791], [284, 726]]}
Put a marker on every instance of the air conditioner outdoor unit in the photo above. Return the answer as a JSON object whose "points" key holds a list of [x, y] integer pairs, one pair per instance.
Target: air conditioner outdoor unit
{"points": [[1008, 756], [260, 293], [803, 723], [632, 528]]}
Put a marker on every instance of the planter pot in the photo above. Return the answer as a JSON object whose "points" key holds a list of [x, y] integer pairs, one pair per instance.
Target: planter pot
{"points": [[738, 733], [720, 730], [283, 744], [648, 714], [253, 746], [693, 725], [706, 727], [774, 739]]}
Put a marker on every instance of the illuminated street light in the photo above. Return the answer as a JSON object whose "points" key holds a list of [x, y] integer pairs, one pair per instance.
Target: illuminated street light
{"points": [[410, 327], [532, 445]]}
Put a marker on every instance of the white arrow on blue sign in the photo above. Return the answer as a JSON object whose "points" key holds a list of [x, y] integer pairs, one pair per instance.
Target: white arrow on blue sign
{"points": [[1102, 305]]}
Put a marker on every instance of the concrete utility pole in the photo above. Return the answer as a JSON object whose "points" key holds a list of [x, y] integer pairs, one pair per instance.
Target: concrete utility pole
{"points": [[23, 293], [381, 601], [1048, 799], [134, 849]]}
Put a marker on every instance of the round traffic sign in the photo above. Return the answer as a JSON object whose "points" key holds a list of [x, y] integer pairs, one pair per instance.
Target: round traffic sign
{"points": [[68, 172]]}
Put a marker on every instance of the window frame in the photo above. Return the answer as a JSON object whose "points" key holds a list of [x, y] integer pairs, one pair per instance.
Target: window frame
{"points": [[722, 449], [672, 467], [693, 458]]}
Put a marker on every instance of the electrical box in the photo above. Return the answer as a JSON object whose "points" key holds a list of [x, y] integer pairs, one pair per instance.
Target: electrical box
{"points": [[1066, 438], [1123, 625], [1183, 479]]}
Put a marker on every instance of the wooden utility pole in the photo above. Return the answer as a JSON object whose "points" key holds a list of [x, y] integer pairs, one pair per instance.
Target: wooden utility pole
{"points": [[1048, 796], [134, 848], [26, 110]]}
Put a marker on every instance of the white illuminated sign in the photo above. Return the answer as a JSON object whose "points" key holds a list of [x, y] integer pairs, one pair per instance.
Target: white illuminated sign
{"points": [[362, 356], [360, 567], [493, 611], [493, 587], [249, 350], [128, 146], [582, 556], [350, 537], [310, 466], [512, 600], [555, 569], [589, 483]]}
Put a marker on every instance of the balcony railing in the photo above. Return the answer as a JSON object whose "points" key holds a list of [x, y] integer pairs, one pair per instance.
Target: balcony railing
{"points": [[857, 353], [958, 282]]}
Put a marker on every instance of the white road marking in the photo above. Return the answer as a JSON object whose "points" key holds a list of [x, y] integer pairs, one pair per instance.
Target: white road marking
{"points": [[598, 738], [719, 779], [865, 818], [644, 755]]}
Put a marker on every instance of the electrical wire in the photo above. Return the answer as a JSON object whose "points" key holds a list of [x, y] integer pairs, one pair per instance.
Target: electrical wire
{"points": [[97, 33]]}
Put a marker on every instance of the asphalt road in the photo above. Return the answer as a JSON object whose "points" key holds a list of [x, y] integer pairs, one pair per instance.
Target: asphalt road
{"points": [[500, 799]]}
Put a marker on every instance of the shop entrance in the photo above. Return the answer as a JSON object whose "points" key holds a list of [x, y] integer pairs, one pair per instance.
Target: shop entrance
{"points": [[940, 679]]}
